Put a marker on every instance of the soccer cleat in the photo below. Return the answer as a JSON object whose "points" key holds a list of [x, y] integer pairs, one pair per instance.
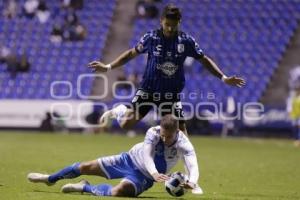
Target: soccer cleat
{"points": [[39, 178], [106, 118], [197, 190], [74, 187]]}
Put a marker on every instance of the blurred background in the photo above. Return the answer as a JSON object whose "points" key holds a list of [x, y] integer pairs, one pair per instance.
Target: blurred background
{"points": [[45, 47]]}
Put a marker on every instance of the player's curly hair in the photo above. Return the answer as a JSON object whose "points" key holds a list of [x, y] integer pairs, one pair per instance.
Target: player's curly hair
{"points": [[169, 123], [171, 12]]}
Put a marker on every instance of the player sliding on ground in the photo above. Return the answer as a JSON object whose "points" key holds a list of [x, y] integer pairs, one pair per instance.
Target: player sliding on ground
{"points": [[143, 164], [167, 48]]}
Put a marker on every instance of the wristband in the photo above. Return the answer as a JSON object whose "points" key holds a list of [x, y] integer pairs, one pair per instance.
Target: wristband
{"points": [[224, 77], [108, 67]]}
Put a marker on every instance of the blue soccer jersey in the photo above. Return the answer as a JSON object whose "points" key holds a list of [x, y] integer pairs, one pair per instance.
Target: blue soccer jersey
{"points": [[164, 71]]}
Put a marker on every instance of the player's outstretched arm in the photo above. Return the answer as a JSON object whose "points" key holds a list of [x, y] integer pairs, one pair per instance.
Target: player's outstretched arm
{"points": [[124, 58], [191, 164], [150, 166], [160, 177], [216, 71]]}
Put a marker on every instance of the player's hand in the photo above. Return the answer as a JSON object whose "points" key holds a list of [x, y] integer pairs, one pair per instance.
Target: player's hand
{"points": [[160, 177], [234, 81], [98, 66]]}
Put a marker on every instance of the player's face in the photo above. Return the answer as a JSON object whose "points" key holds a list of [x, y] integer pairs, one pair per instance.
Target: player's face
{"points": [[168, 137], [169, 26]]}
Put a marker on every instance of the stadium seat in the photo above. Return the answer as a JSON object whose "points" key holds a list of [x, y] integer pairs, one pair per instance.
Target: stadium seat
{"points": [[50, 62]]}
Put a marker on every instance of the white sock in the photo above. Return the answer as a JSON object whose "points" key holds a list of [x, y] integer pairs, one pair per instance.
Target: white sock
{"points": [[119, 112]]}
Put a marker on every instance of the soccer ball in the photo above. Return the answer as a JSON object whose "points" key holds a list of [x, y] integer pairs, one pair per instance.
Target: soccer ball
{"points": [[173, 184]]}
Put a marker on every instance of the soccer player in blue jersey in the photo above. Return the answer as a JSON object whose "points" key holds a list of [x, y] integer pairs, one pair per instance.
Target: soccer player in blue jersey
{"points": [[167, 48], [145, 163]]}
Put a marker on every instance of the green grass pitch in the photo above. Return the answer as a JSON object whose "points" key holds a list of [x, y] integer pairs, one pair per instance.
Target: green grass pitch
{"points": [[229, 168]]}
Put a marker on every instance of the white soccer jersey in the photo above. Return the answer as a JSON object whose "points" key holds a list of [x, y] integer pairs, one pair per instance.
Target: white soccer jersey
{"points": [[162, 157]]}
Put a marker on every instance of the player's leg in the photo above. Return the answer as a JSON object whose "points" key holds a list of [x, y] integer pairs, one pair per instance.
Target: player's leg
{"points": [[131, 186], [69, 172], [117, 112], [128, 117], [178, 111], [174, 108], [114, 167], [106, 167], [91, 168], [123, 189], [121, 166], [182, 127]]}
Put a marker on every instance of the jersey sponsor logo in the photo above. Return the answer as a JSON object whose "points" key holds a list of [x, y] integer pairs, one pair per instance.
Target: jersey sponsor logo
{"points": [[172, 153], [158, 50], [134, 100], [141, 93], [180, 48], [158, 47], [199, 51], [156, 53], [178, 105], [167, 68]]}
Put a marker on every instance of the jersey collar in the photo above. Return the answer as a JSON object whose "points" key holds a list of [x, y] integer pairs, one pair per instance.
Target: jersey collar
{"points": [[161, 34]]}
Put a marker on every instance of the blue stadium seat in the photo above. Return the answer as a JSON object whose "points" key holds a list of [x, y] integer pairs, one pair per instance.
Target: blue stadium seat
{"points": [[51, 62]]}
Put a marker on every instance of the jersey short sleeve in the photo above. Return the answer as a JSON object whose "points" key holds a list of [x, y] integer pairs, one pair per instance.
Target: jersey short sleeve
{"points": [[143, 45], [152, 137], [193, 49]]}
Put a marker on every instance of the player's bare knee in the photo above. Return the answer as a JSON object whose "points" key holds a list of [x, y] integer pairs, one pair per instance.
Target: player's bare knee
{"points": [[84, 167], [87, 167], [122, 193], [124, 189]]}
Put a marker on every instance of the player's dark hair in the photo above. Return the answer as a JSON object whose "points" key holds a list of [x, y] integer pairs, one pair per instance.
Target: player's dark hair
{"points": [[171, 12], [169, 123]]}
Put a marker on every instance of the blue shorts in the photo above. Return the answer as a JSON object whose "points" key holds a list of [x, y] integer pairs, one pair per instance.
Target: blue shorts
{"points": [[121, 166]]}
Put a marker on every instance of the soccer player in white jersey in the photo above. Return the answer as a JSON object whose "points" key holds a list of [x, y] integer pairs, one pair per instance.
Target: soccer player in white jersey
{"points": [[144, 164]]}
